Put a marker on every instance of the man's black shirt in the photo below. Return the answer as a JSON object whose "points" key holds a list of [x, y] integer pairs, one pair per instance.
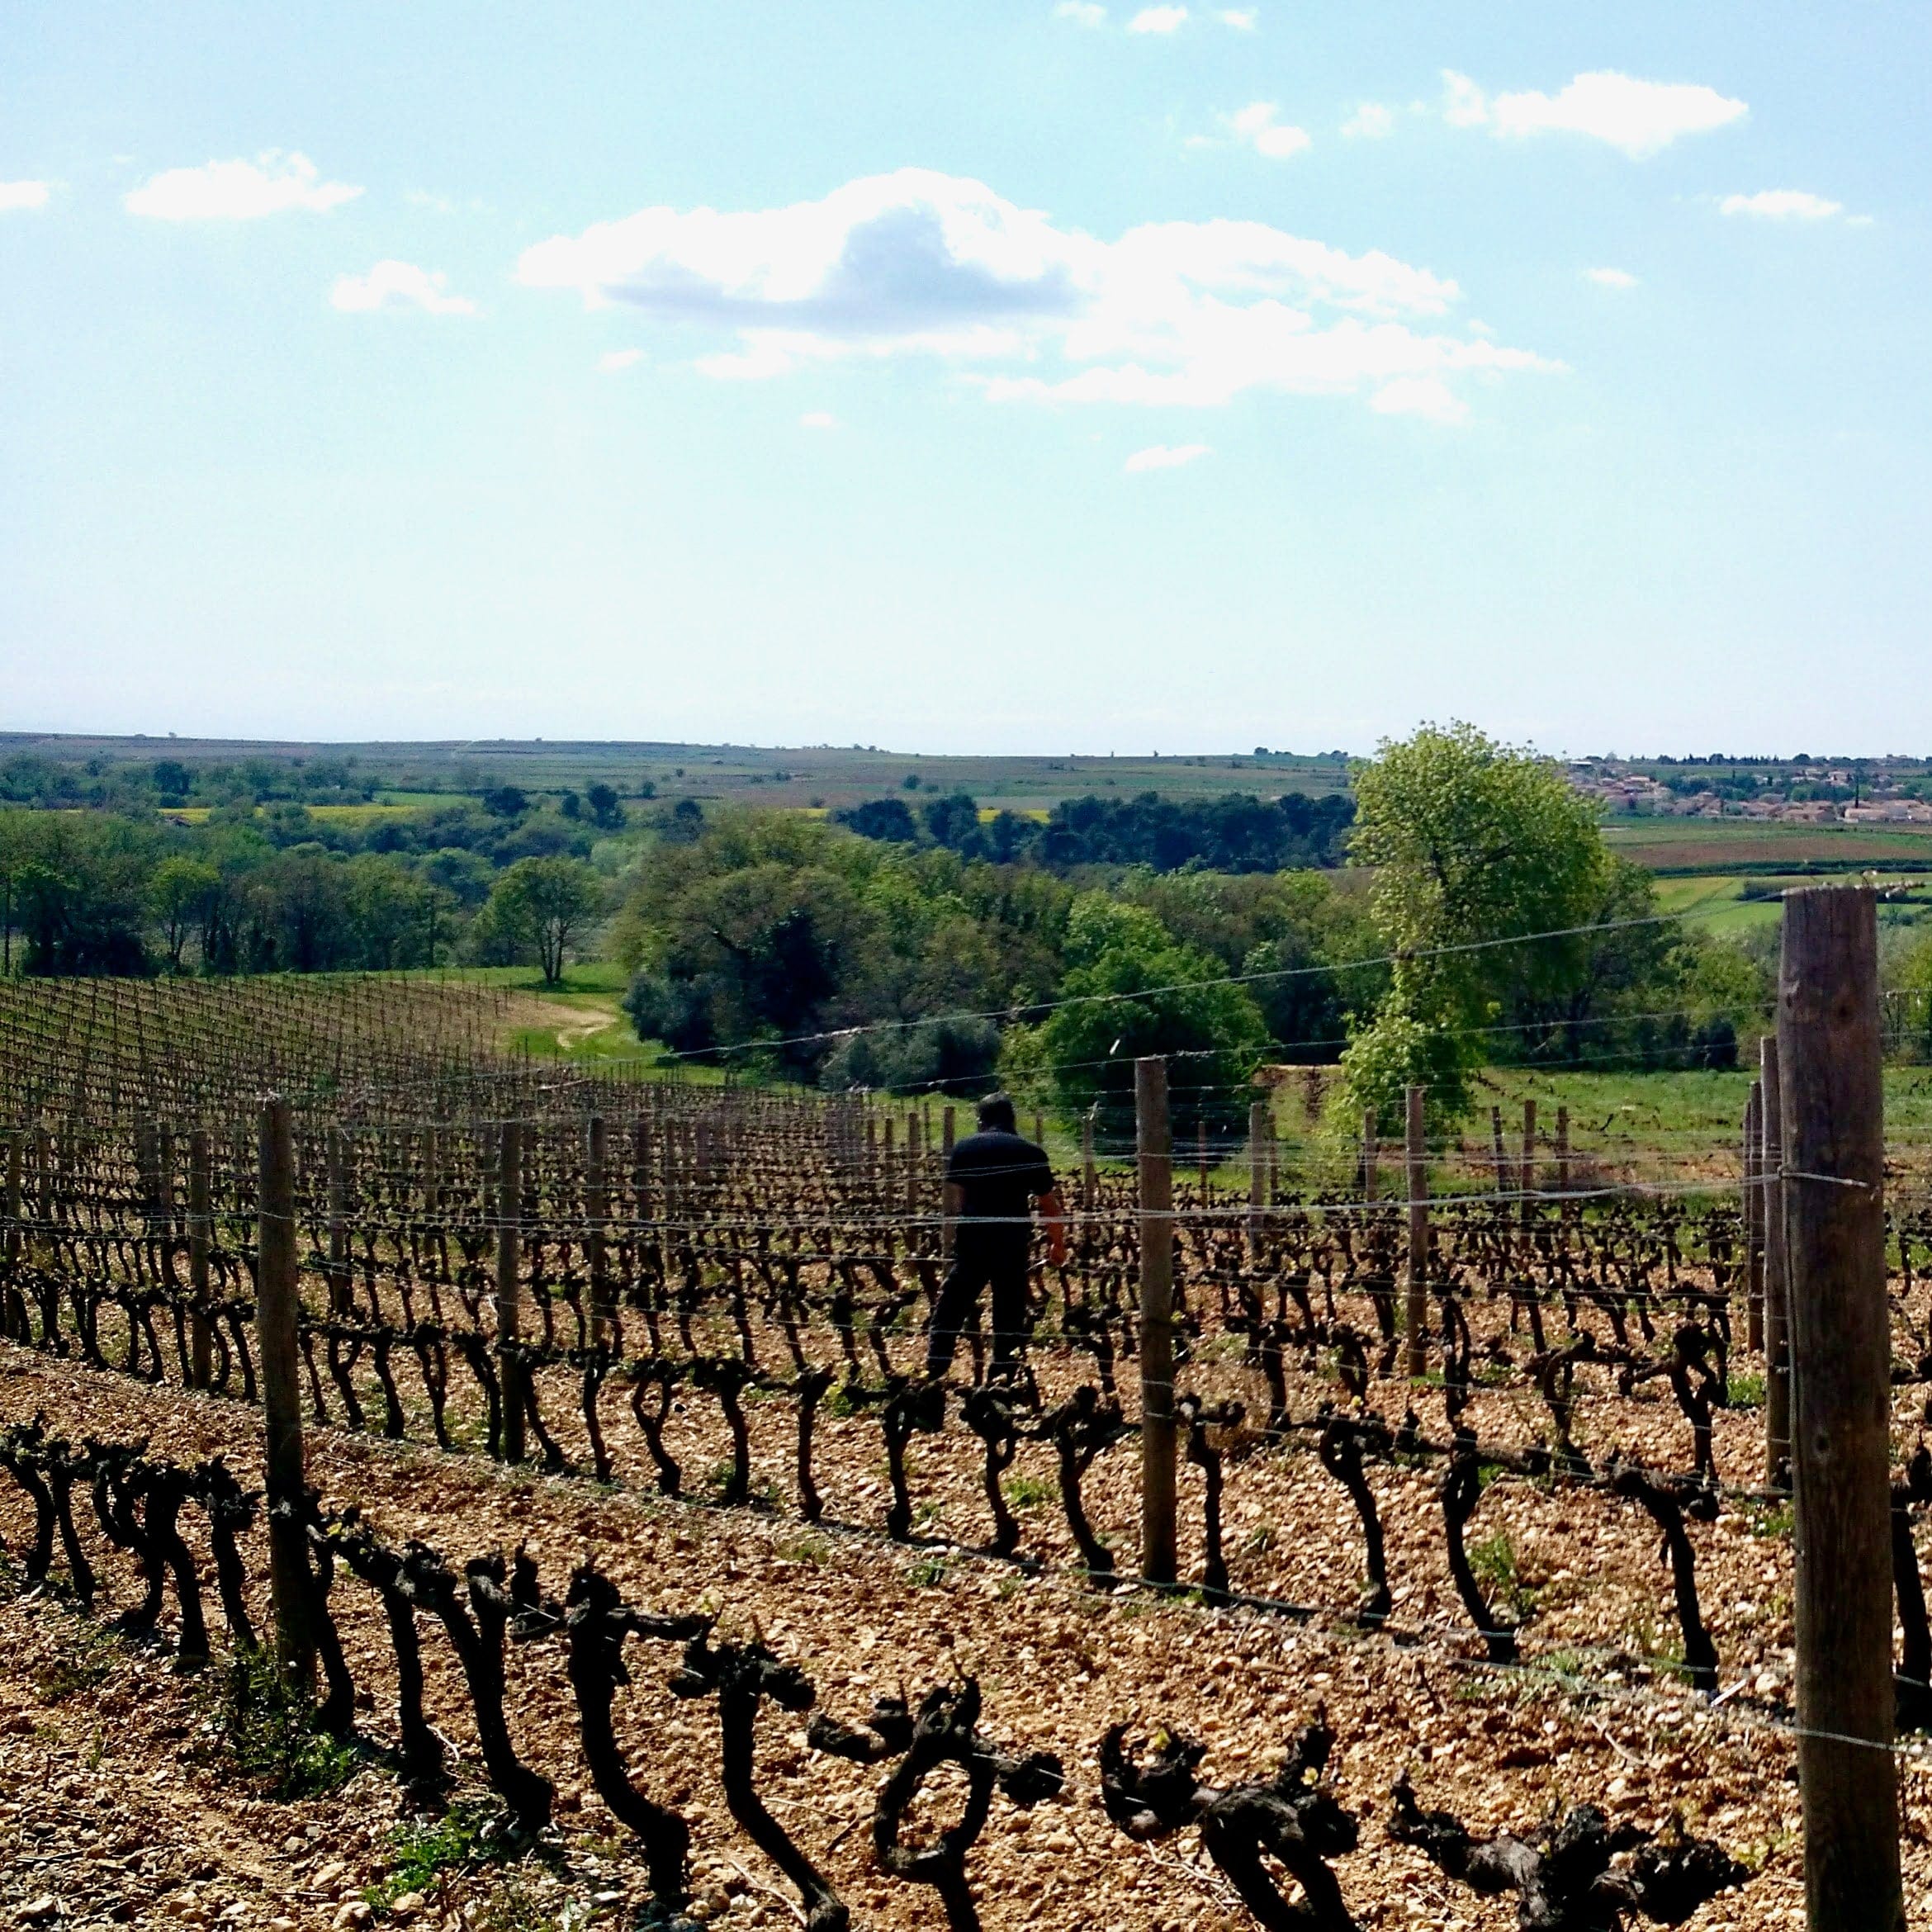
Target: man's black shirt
{"points": [[997, 1175]]}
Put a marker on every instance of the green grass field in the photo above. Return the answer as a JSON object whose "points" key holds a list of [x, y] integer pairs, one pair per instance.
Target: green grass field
{"points": [[1750, 845]]}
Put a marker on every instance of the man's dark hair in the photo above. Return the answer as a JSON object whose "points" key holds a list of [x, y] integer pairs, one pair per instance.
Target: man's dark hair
{"points": [[996, 1115]]}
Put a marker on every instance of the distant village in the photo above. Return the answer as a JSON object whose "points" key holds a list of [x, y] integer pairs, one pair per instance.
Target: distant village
{"points": [[1885, 792]]}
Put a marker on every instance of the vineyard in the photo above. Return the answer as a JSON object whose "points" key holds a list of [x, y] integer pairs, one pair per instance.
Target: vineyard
{"points": [[646, 1578]]}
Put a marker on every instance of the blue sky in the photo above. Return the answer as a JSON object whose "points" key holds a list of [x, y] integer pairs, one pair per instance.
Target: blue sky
{"points": [[990, 377]]}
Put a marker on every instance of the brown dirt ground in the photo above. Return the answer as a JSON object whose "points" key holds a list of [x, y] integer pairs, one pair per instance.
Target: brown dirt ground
{"points": [[111, 1810]]}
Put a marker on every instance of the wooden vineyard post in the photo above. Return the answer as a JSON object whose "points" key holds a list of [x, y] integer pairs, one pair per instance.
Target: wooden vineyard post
{"points": [[1089, 1177], [1258, 1176], [1528, 1213], [596, 1212], [1751, 1219], [509, 1314], [1777, 1332], [1416, 1307], [1154, 1163], [1201, 1159], [276, 1309], [335, 1155], [1371, 1151], [1839, 1331], [640, 1197], [200, 1329], [948, 1132]]}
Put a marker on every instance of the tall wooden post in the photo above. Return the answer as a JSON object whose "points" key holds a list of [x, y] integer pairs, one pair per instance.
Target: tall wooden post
{"points": [[335, 1156], [509, 1311], [1833, 1111], [948, 1132], [276, 1308], [199, 1232], [1416, 1307], [1089, 1175], [1751, 1219], [1154, 1160], [1258, 1176], [1371, 1152], [17, 1312], [1777, 1332], [596, 1213], [1528, 1185]]}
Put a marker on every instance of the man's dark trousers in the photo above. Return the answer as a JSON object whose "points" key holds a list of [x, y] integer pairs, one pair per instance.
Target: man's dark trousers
{"points": [[995, 1257]]}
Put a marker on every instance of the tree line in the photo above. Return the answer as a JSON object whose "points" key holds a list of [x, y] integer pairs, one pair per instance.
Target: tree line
{"points": [[1238, 833]]}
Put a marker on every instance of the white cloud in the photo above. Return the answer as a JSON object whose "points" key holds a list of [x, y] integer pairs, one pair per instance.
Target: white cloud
{"points": [[1255, 126], [1371, 122], [1242, 19], [238, 191], [1463, 103], [618, 359], [919, 262], [399, 284], [16, 195], [1781, 205], [1165, 455], [1158, 19], [1084, 13], [1640, 117], [1610, 278], [1420, 396], [818, 419]]}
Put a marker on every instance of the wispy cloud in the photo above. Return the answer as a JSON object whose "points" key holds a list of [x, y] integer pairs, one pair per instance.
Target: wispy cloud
{"points": [[1420, 396], [1258, 126], [1158, 19], [399, 284], [1243, 19], [1371, 122], [1165, 455], [615, 360], [273, 183], [1086, 13], [1640, 117], [1781, 205], [18, 195], [921, 263], [818, 419], [1610, 278]]}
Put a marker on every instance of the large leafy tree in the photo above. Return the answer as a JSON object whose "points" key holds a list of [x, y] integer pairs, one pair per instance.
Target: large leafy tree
{"points": [[1131, 990], [1473, 844], [547, 906]]}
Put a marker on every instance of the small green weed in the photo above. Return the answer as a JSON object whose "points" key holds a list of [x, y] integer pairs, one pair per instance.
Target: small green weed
{"points": [[423, 1856], [82, 1665], [805, 1546], [267, 1729], [1493, 1560], [1770, 1521], [512, 1909], [927, 1573], [1746, 1391], [1029, 1492]]}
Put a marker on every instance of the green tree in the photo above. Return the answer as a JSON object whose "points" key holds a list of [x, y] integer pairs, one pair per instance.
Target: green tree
{"points": [[547, 904], [178, 895], [1472, 843], [1131, 989]]}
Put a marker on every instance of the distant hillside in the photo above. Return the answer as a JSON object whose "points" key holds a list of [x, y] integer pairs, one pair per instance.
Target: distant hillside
{"points": [[820, 777]]}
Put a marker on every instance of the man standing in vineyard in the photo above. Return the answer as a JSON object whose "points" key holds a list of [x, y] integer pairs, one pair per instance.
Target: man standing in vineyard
{"points": [[992, 1179]]}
